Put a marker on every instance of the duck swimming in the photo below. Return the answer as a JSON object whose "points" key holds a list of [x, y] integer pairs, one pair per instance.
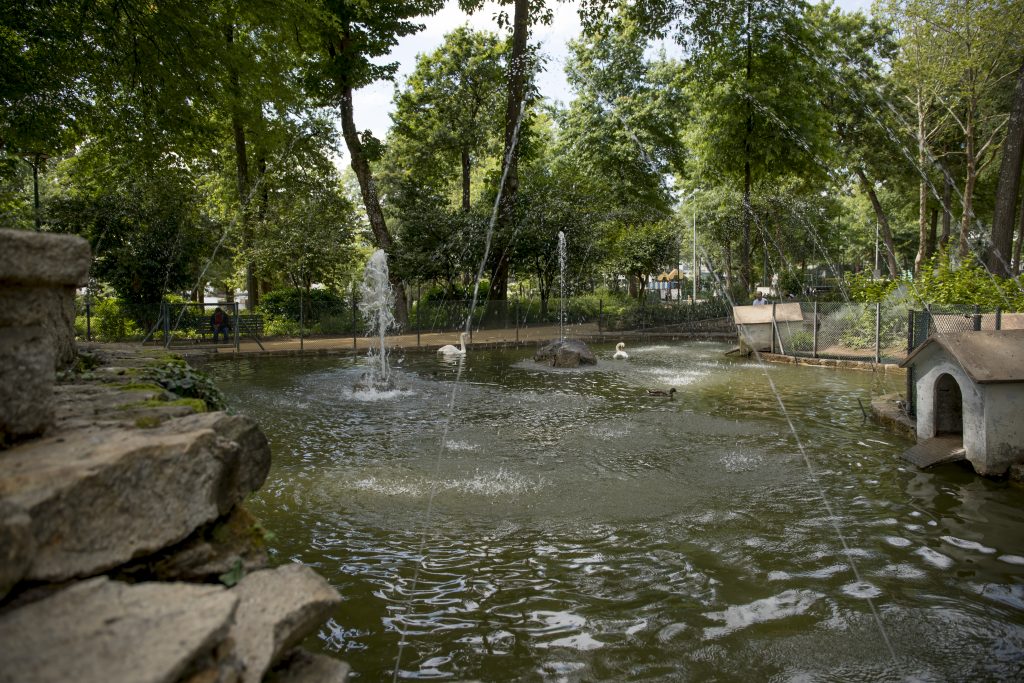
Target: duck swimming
{"points": [[619, 353], [661, 392]]}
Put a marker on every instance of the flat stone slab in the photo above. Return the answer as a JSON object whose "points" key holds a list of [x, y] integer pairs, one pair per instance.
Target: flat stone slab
{"points": [[99, 498], [277, 609], [302, 666], [936, 451], [102, 631]]}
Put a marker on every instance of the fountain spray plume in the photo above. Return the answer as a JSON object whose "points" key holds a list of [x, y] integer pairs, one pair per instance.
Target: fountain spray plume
{"points": [[561, 281], [376, 306]]}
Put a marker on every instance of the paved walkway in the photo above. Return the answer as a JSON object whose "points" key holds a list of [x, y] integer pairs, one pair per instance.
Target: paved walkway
{"points": [[527, 336]]}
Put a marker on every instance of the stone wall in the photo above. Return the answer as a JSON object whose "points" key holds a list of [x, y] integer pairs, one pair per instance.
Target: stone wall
{"points": [[126, 552], [123, 530]]}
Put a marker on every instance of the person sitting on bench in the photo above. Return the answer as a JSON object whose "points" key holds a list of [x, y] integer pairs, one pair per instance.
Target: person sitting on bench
{"points": [[220, 322]]}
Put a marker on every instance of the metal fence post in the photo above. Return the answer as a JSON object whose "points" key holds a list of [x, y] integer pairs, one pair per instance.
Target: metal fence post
{"points": [[165, 313], [517, 320], [353, 315], [237, 321], [976, 319], [910, 330], [773, 328], [419, 307], [878, 331], [814, 331], [999, 318], [302, 322]]}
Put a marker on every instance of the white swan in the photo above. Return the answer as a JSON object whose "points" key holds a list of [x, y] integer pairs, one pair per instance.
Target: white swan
{"points": [[619, 353], [460, 350]]}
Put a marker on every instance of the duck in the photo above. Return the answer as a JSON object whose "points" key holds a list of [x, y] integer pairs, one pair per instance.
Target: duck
{"points": [[450, 350], [661, 392], [619, 353]]}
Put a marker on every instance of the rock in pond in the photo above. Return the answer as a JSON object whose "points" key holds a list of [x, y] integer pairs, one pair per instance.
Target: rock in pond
{"points": [[566, 353]]}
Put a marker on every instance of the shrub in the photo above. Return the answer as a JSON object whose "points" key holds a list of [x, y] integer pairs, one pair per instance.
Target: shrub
{"points": [[283, 304]]}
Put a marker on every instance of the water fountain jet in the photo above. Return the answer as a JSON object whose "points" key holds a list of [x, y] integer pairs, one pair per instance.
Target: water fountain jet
{"points": [[562, 352], [377, 306]]}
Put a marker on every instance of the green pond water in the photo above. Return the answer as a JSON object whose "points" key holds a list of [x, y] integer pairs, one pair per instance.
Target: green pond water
{"points": [[564, 525]]}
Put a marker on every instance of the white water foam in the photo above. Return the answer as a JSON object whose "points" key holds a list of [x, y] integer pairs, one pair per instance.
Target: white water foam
{"points": [[969, 545], [486, 484], [936, 559], [786, 604], [898, 541], [1012, 559], [461, 446], [861, 589], [741, 462]]}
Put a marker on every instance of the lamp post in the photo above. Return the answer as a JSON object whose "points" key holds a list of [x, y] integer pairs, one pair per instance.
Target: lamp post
{"points": [[696, 266]]}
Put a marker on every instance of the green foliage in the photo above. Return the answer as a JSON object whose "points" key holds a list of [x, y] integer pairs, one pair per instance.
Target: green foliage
{"points": [[943, 283], [316, 304], [233, 575], [111, 322], [801, 341], [864, 287], [187, 382]]}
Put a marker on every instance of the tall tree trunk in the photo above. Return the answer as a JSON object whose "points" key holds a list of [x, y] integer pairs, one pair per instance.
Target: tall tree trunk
{"points": [[1020, 239], [728, 265], [519, 71], [242, 172], [925, 245], [933, 228], [883, 224], [465, 179], [371, 201], [38, 216], [1009, 181], [746, 273], [947, 210], [963, 248]]}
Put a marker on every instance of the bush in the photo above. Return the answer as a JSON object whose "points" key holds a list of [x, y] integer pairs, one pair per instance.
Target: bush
{"points": [[111, 321], [283, 304], [800, 341]]}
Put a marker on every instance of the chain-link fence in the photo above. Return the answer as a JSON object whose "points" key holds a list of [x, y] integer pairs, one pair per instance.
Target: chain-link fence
{"points": [[309, 322], [880, 333], [171, 325]]}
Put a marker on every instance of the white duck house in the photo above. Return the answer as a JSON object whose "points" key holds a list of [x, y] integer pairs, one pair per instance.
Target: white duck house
{"points": [[971, 386]]}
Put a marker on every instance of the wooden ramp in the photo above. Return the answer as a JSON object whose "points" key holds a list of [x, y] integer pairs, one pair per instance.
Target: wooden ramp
{"points": [[941, 449]]}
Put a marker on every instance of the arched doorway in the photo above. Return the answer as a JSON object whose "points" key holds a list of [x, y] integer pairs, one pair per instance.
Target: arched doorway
{"points": [[949, 406]]}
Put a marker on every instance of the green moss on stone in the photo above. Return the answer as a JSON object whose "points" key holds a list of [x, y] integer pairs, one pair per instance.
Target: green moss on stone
{"points": [[141, 386], [147, 421]]}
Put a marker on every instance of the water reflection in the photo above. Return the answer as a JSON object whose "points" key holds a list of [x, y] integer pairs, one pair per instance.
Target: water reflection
{"points": [[583, 530]]}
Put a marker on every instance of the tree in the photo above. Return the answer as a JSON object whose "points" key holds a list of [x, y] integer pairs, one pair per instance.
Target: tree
{"points": [[757, 101], [522, 63], [999, 258], [145, 222], [645, 247], [450, 106], [627, 120], [354, 34]]}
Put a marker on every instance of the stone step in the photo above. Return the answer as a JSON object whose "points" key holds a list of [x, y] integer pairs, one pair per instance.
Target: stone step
{"points": [[936, 451]]}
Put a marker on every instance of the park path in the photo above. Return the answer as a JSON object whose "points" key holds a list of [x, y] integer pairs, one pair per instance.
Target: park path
{"points": [[428, 340]]}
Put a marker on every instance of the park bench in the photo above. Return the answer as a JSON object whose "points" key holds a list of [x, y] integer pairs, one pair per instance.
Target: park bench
{"points": [[197, 326]]}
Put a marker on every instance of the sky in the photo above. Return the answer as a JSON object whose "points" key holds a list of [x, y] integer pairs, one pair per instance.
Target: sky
{"points": [[373, 104]]}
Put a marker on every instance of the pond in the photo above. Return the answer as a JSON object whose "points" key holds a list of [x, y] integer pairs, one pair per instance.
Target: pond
{"points": [[565, 525]]}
